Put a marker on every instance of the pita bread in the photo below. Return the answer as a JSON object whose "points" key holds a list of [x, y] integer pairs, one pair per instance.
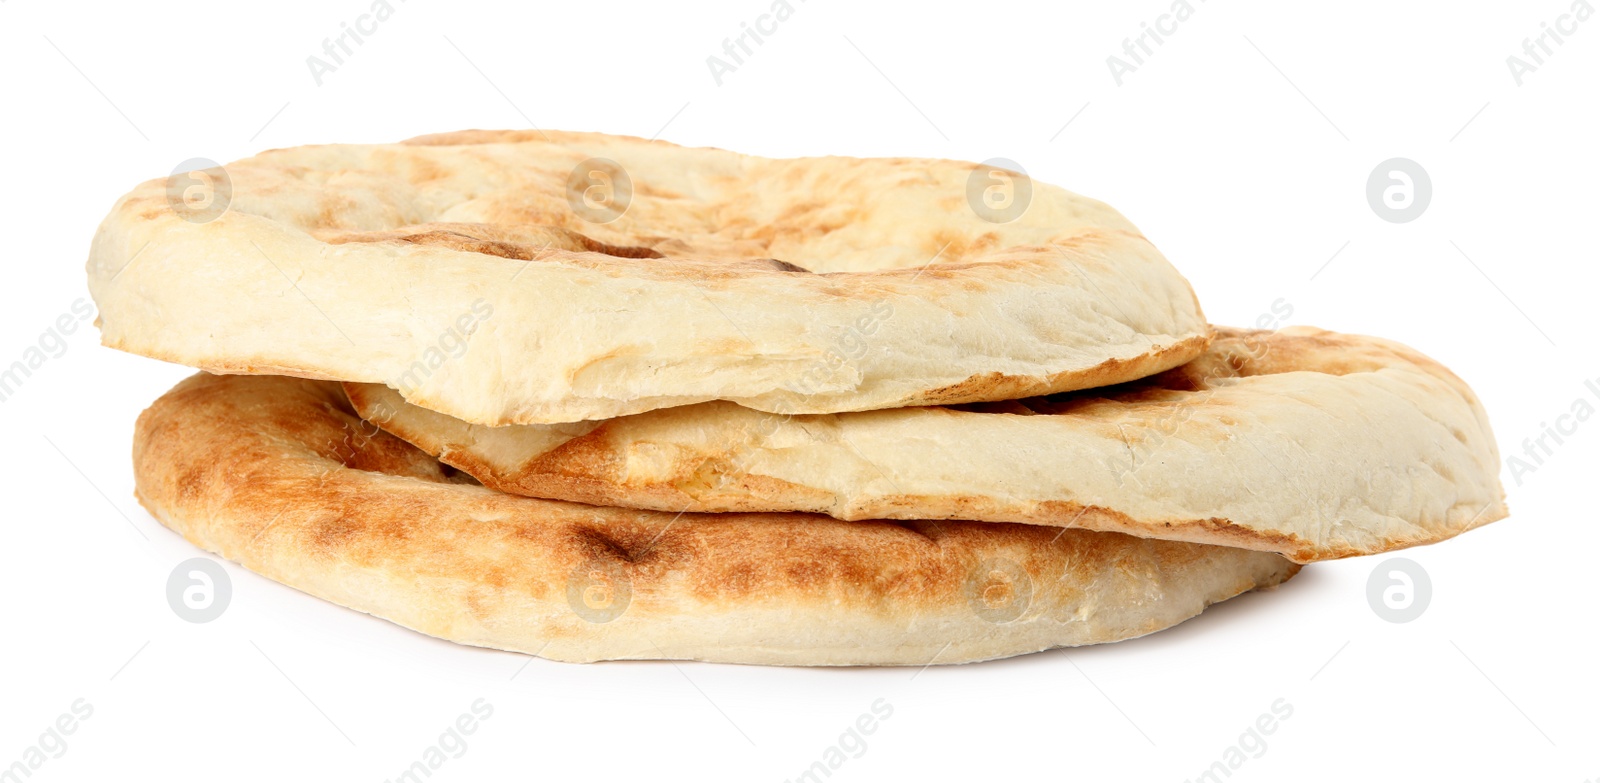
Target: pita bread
{"points": [[464, 270], [1304, 442], [280, 475]]}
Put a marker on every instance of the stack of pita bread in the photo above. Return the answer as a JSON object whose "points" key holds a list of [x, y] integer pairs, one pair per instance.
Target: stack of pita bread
{"points": [[594, 397]]}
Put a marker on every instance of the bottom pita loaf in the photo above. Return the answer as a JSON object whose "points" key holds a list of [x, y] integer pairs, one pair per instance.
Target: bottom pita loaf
{"points": [[280, 475]]}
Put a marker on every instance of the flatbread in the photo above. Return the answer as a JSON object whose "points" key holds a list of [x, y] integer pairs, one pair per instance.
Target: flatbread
{"points": [[279, 475], [467, 271], [1304, 442]]}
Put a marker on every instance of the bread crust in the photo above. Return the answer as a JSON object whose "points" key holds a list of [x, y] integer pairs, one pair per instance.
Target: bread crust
{"points": [[798, 286], [280, 475], [1304, 442]]}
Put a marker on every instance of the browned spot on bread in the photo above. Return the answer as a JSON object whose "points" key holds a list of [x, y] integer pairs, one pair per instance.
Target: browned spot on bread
{"points": [[456, 241], [335, 532], [524, 243], [783, 266], [619, 544]]}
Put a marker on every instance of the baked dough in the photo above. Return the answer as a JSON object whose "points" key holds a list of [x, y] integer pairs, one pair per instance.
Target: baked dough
{"points": [[280, 475], [465, 271], [1304, 442]]}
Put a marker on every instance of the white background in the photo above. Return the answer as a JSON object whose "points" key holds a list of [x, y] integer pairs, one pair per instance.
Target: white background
{"points": [[1241, 147]]}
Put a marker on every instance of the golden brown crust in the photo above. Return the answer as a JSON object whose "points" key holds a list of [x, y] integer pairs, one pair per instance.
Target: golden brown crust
{"points": [[794, 286], [1308, 443], [280, 475]]}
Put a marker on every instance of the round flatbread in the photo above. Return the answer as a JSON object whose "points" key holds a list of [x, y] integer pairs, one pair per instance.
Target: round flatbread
{"points": [[1308, 443], [280, 475], [546, 277]]}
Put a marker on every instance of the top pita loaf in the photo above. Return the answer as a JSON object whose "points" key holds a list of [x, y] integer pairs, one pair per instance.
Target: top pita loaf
{"points": [[473, 272], [1308, 443]]}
